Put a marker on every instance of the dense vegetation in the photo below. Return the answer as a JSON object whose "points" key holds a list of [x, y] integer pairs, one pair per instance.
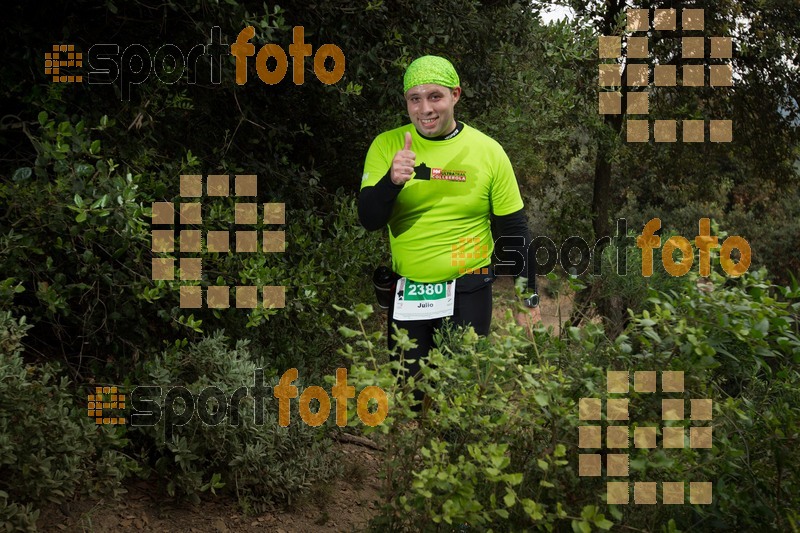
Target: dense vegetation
{"points": [[83, 163]]}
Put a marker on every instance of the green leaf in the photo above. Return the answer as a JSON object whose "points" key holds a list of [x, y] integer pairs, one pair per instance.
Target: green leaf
{"points": [[615, 512], [588, 512], [81, 217], [560, 450], [542, 399], [581, 527], [363, 311], [347, 333], [514, 479], [22, 174], [532, 509], [603, 523]]}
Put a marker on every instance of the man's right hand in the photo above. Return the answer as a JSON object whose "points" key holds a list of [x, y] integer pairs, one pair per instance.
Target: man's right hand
{"points": [[403, 163]]}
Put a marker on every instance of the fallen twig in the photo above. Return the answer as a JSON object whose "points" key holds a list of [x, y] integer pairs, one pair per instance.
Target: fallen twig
{"points": [[356, 439]]}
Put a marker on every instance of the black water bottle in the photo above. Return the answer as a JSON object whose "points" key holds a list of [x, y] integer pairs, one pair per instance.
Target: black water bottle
{"points": [[383, 280]]}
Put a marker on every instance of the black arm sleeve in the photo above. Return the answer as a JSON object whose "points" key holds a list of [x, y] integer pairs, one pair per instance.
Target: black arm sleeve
{"points": [[514, 236], [375, 203]]}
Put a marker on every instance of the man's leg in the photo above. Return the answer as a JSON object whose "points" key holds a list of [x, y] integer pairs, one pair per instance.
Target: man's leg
{"points": [[421, 332], [473, 308]]}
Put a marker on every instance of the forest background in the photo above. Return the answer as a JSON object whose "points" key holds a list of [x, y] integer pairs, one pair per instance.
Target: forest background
{"points": [[82, 164]]}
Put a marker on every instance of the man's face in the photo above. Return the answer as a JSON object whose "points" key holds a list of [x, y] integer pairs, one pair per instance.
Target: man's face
{"points": [[430, 108]]}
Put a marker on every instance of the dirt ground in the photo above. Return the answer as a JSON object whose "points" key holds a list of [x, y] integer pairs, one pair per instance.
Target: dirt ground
{"points": [[348, 505], [555, 308]]}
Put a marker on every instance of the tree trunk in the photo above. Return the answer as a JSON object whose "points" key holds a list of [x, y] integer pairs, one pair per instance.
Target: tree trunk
{"points": [[601, 195]]}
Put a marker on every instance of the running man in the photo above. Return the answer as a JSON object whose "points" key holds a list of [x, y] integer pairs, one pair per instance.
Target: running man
{"points": [[437, 183]]}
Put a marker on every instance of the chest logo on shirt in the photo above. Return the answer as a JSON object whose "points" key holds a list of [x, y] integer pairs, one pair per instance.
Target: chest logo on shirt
{"points": [[424, 172]]}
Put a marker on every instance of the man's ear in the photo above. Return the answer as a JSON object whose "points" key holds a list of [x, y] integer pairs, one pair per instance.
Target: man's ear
{"points": [[456, 94]]}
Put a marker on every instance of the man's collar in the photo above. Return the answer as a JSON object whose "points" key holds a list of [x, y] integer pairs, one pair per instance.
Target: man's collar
{"points": [[459, 128]]}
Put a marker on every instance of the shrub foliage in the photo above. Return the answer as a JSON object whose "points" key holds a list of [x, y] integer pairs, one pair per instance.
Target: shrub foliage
{"points": [[499, 447]]}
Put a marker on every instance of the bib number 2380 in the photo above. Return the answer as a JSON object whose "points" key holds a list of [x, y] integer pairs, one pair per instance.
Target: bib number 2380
{"points": [[422, 301]]}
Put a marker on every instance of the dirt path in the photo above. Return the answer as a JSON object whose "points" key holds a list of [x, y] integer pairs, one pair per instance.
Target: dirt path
{"points": [[555, 310], [346, 505]]}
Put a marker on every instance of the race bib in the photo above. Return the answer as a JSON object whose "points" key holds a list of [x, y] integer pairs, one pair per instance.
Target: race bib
{"points": [[422, 301]]}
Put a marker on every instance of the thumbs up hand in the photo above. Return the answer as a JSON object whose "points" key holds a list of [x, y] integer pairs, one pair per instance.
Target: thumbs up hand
{"points": [[403, 163]]}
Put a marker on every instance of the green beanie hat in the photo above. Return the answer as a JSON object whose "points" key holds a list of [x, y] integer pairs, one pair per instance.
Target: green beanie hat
{"points": [[430, 69]]}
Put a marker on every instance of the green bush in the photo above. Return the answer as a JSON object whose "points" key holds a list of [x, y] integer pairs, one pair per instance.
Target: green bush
{"points": [[491, 449], [330, 258], [49, 448], [616, 292], [738, 343], [75, 253], [75, 240], [259, 462], [499, 448], [770, 230]]}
